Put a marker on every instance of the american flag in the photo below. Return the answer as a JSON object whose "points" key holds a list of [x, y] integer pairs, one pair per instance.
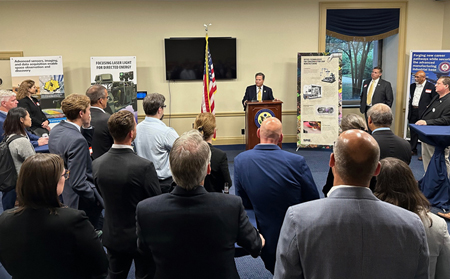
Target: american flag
{"points": [[209, 83]]}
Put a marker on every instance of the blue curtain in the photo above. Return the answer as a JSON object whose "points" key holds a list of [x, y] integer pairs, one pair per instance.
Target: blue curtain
{"points": [[362, 24]]}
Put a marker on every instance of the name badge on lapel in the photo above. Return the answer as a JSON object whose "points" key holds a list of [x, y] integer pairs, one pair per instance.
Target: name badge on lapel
{"points": [[365, 85], [428, 91]]}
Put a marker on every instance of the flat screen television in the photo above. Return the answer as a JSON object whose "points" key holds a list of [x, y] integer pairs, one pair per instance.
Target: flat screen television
{"points": [[185, 57]]}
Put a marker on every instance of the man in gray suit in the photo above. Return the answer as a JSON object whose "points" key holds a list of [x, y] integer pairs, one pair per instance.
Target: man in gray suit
{"points": [[352, 234]]}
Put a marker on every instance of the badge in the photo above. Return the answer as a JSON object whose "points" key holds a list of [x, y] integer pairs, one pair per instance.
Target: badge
{"points": [[365, 85], [428, 91]]}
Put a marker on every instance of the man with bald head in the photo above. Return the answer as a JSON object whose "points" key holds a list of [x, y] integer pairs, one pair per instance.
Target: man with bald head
{"points": [[269, 180], [421, 92], [352, 234]]}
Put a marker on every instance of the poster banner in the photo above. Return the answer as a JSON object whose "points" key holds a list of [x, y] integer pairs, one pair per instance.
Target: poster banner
{"points": [[118, 75], [435, 63], [319, 99], [47, 74]]}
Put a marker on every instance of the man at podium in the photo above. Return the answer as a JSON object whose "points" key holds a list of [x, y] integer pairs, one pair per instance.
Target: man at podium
{"points": [[257, 92]]}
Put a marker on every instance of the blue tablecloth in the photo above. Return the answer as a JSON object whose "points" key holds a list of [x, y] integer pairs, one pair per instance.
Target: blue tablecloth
{"points": [[42, 149], [435, 184]]}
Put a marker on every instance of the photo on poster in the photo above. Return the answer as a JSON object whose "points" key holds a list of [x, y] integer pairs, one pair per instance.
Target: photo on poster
{"points": [[312, 127], [312, 91], [118, 75], [325, 110]]}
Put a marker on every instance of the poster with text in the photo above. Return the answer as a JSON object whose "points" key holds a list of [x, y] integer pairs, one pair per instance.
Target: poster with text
{"points": [[319, 99], [47, 74], [435, 63], [118, 75]]}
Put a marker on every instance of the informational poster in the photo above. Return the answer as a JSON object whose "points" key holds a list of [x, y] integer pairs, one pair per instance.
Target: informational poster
{"points": [[435, 63], [47, 74], [118, 75], [319, 99]]}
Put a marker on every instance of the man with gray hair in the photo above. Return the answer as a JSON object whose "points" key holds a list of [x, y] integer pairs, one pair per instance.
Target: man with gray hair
{"points": [[379, 118], [352, 234], [154, 139], [191, 233], [101, 140]]}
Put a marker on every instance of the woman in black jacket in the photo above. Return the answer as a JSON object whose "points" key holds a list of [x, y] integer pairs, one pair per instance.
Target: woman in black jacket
{"points": [[41, 238], [39, 120]]}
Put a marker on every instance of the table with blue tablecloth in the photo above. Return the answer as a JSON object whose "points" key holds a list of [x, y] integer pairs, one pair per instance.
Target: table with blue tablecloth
{"points": [[435, 184]]}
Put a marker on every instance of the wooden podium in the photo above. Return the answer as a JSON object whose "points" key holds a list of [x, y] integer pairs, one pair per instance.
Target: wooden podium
{"points": [[260, 110]]}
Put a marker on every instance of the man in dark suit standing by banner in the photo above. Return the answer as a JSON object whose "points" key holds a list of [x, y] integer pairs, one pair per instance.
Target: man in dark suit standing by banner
{"points": [[257, 92], [125, 179], [102, 140], [374, 91], [421, 93]]}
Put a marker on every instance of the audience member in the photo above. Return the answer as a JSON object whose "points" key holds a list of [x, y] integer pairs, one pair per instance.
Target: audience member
{"points": [[124, 180], [205, 123], [380, 119], [101, 140], [43, 239], [69, 139], [269, 180], [352, 234], [16, 123], [348, 122], [396, 184], [257, 92], [437, 113], [421, 93], [7, 102], [191, 233], [32, 105], [154, 139]]}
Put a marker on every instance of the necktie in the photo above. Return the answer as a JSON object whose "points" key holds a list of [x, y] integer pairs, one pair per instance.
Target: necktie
{"points": [[259, 94], [370, 93]]}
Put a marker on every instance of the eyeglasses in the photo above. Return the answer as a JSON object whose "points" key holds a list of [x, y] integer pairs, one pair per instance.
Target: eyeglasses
{"points": [[66, 174], [164, 106]]}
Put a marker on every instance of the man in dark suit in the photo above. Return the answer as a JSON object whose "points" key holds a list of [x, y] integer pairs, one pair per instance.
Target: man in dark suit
{"points": [[69, 139], [380, 120], [102, 140], [437, 113], [191, 233], [352, 234], [374, 91], [124, 180], [421, 93], [257, 92], [268, 175]]}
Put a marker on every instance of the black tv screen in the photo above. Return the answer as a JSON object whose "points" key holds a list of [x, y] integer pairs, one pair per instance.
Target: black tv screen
{"points": [[185, 58]]}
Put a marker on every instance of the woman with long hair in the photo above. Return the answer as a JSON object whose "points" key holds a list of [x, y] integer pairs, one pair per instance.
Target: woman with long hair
{"points": [[15, 125], [205, 123], [348, 122], [396, 185], [32, 105], [41, 238]]}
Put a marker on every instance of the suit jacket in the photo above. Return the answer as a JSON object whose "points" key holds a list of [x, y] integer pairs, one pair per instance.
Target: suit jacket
{"points": [[37, 244], [35, 111], [438, 111], [124, 180], [428, 93], [191, 234], [220, 174], [101, 140], [351, 234], [72, 146], [438, 246], [381, 94], [251, 94], [269, 180], [392, 145]]}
